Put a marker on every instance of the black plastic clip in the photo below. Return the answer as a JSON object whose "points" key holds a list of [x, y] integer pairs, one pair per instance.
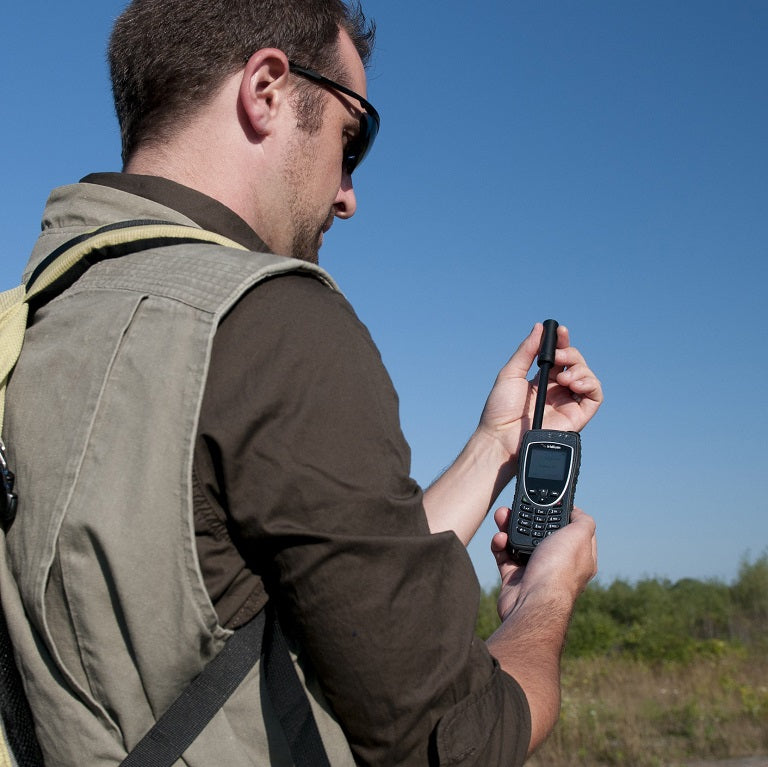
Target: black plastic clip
{"points": [[9, 500]]}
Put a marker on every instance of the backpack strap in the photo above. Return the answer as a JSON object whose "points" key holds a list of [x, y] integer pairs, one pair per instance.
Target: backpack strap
{"points": [[289, 699], [188, 715], [260, 639], [17, 730]]}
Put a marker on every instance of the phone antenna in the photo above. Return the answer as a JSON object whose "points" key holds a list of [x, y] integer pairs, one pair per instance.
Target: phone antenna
{"points": [[545, 361]]}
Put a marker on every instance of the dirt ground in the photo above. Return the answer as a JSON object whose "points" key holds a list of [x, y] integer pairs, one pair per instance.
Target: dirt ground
{"points": [[747, 761]]}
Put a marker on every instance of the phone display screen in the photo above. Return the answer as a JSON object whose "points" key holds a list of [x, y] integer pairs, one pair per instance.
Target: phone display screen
{"points": [[545, 463]]}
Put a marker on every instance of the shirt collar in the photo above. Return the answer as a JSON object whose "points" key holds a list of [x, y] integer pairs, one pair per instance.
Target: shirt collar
{"points": [[206, 212]]}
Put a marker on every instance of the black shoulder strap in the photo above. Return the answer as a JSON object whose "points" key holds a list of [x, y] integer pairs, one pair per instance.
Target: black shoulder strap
{"points": [[14, 709], [188, 715], [289, 699], [62, 267]]}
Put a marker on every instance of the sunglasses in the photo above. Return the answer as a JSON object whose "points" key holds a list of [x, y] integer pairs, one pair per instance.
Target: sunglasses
{"points": [[358, 147]]}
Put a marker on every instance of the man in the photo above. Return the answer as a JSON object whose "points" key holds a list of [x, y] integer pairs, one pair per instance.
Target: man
{"points": [[199, 430]]}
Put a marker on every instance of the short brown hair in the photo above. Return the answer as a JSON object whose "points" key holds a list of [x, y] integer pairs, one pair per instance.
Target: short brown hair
{"points": [[167, 57]]}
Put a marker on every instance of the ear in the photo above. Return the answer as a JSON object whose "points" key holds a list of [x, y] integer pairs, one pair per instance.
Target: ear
{"points": [[264, 88]]}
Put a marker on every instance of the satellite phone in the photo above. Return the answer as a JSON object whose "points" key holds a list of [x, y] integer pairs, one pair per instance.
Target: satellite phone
{"points": [[548, 469]]}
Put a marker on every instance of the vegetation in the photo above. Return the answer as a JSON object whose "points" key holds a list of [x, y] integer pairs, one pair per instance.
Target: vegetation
{"points": [[659, 673]]}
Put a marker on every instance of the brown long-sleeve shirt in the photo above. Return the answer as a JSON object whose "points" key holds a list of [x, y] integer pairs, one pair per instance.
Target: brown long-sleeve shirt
{"points": [[302, 491]]}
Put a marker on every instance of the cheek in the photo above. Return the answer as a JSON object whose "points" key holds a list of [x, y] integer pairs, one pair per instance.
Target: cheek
{"points": [[333, 164], [331, 177], [322, 169]]}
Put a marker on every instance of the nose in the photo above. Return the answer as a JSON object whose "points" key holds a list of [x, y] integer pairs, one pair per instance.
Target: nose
{"points": [[345, 204]]}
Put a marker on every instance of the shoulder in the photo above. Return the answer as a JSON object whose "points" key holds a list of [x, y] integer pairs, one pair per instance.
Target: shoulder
{"points": [[293, 296], [294, 313]]}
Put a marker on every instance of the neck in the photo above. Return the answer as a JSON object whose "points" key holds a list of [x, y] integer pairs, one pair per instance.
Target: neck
{"points": [[205, 171], [210, 154]]}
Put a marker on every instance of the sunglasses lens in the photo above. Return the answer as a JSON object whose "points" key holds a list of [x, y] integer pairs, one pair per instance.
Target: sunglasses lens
{"points": [[359, 148], [372, 129]]}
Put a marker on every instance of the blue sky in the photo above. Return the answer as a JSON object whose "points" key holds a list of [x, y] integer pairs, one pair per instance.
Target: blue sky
{"points": [[597, 162]]}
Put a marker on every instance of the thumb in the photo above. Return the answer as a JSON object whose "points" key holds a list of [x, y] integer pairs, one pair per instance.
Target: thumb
{"points": [[521, 361]]}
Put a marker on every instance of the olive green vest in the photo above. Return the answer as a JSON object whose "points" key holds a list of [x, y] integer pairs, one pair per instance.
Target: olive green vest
{"points": [[113, 619]]}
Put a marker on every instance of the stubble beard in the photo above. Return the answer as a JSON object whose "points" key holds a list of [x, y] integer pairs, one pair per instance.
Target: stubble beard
{"points": [[307, 239], [307, 230]]}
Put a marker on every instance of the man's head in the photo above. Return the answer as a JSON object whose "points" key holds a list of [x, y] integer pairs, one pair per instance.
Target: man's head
{"points": [[252, 102], [168, 57]]}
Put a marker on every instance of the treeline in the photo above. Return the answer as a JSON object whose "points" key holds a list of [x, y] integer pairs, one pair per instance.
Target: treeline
{"points": [[656, 619]]}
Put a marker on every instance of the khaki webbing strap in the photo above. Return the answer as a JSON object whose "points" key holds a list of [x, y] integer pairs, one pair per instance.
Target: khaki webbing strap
{"points": [[5, 757], [14, 307], [13, 323]]}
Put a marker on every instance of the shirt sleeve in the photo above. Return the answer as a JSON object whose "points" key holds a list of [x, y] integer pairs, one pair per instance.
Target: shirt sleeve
{"points": [[315, 475]]}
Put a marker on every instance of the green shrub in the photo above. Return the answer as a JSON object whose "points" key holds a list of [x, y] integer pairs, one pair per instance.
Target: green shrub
{"points": [[656, 620]]}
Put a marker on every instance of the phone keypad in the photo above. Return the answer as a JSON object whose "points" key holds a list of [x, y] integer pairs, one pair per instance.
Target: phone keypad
{"points": [[536, 521]]}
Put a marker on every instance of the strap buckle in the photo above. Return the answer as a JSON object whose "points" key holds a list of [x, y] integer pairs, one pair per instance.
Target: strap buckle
{"points": [[9, 500]]}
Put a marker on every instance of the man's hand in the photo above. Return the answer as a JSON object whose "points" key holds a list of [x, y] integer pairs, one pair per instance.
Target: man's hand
{"points": [[563, 563], [461, 498], [574, 393], [535, 606]]}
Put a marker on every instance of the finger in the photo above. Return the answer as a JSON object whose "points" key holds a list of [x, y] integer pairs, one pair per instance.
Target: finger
{"points": [[501, 517], [499, 548], [581, 380], [588, 395], [577, 512], [589, 390], [521, 361], [582, 519], [577, 369], [567, 356], [507, 568], [563, 344]]}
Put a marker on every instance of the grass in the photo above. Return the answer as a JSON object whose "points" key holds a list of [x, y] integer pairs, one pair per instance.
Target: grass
{"points": [[620, 711], [661, 674]]}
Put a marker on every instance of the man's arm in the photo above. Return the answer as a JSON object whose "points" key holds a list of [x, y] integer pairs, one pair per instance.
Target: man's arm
{"points": [[535, 606], [460, 499], [314, 473]]}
